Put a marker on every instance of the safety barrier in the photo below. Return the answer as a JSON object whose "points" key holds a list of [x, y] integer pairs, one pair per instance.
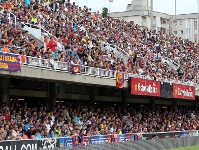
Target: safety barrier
{"points": [[157, 144], [88, 70], [111, 141], [117, 138], [51, 64]]}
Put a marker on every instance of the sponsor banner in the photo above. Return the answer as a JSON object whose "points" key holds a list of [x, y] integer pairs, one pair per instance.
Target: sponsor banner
{"points": [[19, 145], [163, 135], [97, 139], [145, 87], [166, 90], [48, 143], [30, 144], [9, 62], [183, 92]]}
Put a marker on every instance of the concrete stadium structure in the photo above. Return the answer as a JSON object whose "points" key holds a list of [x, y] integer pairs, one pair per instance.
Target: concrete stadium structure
{"points": [[34, 84]]}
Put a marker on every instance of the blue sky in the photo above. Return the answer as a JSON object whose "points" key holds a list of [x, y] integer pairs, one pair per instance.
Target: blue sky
{"points": [[165, 6]]}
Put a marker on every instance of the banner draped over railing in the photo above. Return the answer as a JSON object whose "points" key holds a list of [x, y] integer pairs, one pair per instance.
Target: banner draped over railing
{"points": [[115, 138], [76, 141], [9, 62]]}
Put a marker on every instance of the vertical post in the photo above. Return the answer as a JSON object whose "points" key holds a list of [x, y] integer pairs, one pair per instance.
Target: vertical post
{"points": [[9, 17], [151, 15], [175, 15], [52, 98], [197, 23], [175, 103], [4, 90], [92, 92], [15, 21], [124, 98], [195, 104], [152, 102], [109, 9], [110, 1]]}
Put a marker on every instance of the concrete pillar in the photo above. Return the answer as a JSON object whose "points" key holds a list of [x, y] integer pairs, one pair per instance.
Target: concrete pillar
{"points": [[195, 103], [92, 92], [4, 87], [52, 98], [175, 106], [124, 95], [152, 102]]}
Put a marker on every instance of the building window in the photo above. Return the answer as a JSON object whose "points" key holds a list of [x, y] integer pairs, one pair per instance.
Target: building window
{"points": [[181, 22], [195, 32], [195, 23], [175, 32], [181, 31]]}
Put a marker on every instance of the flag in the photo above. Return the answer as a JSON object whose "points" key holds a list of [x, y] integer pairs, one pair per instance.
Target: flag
{"points": [[75, 69], [120, 79]]}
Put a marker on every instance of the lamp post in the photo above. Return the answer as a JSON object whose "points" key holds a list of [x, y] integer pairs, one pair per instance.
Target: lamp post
{"points": [[175, 17], [110, 1], [197, 22], [151, 15]]}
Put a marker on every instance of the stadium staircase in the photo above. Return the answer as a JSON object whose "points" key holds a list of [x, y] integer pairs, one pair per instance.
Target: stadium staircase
{"points": [[35, 32], [171, 66], [118, 53]]}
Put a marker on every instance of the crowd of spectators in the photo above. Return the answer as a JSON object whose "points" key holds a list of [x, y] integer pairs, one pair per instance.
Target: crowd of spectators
{"points": [[77, 35], [18, 122]]}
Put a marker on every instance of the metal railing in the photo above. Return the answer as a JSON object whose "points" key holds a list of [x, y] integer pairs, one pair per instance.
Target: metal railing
{"points": [[38, 27], [91, 71], [118, 54], [2, 8], [15, 18]]}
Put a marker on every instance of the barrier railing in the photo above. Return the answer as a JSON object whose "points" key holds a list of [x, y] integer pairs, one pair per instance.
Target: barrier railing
{"points": [[117, 138], [15, 18], [51, 64], [90, 71], [87, 141], [114, 48]]}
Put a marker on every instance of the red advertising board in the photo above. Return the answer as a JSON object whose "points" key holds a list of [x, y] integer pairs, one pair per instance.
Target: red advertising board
{"points": [[145, 87], [184, 91]]}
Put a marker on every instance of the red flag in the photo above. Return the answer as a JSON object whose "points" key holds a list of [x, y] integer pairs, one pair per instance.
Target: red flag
{"points": [[120, 79]]}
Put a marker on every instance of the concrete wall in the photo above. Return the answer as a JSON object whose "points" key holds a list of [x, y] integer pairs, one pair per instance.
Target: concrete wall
{"points": [[51, 75]]}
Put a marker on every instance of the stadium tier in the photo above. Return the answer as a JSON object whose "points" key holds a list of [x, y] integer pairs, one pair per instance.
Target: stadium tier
{"points": [[55, 51]]}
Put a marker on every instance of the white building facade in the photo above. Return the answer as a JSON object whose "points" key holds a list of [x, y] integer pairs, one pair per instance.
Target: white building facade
{"points": [[139, 12]]}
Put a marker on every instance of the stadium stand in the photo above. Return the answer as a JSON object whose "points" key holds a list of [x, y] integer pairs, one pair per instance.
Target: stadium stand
{"points": [[77, 36], [23, 122]]}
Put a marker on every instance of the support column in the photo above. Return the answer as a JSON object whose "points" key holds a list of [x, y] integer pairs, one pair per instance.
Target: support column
{"points": [[52, 98], [152, 102], [4, 87], [124, 98], [175, 107], [92, 92], [195, 103]]}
